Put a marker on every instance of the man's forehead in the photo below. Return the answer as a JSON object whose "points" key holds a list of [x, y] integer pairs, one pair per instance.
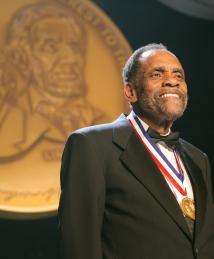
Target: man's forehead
{"points": [[159, 57], [49, 23], [55, 27], [154, 52]]}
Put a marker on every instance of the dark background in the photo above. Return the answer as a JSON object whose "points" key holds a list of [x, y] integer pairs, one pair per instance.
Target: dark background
{"points": [[142, 22]]}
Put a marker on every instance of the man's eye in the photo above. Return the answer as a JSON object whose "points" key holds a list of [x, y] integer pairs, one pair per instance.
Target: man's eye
{"points": [[179, 76], [49, 46], [156, 75]]}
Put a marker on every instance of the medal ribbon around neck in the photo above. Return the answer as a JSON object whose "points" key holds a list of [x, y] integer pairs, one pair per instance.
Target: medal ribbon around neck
{"points": [[169, 171]]}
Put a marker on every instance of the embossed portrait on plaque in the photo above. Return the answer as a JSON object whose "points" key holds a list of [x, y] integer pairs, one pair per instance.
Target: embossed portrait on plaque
{"points": [[47, 43]]}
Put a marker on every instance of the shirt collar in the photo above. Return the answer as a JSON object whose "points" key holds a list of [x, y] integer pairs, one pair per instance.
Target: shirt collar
{"points": [[146, 126]]}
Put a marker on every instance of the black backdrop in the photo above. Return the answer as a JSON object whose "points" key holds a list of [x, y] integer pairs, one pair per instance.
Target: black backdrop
{"points": [[142, 22]]}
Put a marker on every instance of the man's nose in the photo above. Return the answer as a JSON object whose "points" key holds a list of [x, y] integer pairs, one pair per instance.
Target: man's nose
{"points": [[170, 81], [66, 53]]}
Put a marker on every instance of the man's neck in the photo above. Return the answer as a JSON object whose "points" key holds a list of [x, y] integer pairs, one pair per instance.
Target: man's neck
{"points": [[162, 128]]}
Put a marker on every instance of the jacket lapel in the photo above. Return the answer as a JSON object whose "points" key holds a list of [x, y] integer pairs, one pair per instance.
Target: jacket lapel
{"points": [[137, 159], [199, 187]]}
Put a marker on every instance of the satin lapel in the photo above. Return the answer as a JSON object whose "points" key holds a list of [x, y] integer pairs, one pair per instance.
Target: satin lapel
{"points": [[199, 187], [137, 159]]}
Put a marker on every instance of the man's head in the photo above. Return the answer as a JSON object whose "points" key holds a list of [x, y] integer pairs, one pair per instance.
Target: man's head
{"points": [[48, 43], [155, 84]]}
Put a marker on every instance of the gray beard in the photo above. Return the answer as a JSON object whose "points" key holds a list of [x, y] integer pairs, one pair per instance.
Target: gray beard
{"points": [[157, 112]]}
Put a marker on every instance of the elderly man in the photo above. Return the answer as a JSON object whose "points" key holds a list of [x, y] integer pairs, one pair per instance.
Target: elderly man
{"points": [[133, 189]]}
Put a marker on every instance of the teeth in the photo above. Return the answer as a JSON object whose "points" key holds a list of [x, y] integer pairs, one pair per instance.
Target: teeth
{"points": [[170, 95]]}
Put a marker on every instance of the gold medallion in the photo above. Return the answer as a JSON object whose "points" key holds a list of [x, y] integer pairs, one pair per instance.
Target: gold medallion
{"points": [[188, 207], [60, 69]]}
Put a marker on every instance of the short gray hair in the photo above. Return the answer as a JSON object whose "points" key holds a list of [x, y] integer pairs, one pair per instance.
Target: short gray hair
{"points": [[130, 70]]}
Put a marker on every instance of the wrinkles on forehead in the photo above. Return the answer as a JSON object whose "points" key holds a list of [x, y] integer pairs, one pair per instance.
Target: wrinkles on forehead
{"points": [[159, 58]]}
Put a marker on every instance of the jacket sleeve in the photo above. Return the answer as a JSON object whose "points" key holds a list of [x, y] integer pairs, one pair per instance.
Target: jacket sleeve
{"points": [[82, 200], [209, 178]]}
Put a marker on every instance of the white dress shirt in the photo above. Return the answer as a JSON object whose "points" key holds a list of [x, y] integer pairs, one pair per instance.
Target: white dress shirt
{"points": [[169, 154]]}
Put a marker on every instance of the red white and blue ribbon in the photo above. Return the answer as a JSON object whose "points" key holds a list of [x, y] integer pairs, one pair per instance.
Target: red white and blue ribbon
{"points": [[169, 171]]}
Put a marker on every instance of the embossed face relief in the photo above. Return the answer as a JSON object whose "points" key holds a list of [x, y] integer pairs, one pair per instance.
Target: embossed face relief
{"points": [[58, 56], [162, 90]]}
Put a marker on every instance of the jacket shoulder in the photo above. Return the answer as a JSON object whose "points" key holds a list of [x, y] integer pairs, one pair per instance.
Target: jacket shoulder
{"points": [[194, 151], [100, 129]]}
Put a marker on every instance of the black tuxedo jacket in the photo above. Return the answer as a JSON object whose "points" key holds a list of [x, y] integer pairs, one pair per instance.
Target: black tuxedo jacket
{"points": [[116, 204]]}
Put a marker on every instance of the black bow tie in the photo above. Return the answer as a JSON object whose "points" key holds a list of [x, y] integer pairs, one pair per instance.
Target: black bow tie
{"points": [[171, 140]]}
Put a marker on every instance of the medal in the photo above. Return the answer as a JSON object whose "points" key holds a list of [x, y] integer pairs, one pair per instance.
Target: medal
{"points": [[188, 207]]}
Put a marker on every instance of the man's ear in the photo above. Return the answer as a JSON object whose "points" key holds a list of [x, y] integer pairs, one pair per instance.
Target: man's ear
{"points": [[130, 93]]}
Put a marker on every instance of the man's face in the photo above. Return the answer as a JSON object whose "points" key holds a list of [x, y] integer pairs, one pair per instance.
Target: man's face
{"points": [[57, 57], [161, 90]]}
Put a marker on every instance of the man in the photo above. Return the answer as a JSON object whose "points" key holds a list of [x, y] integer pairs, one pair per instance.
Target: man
{"points": [[47, 44], [131, 189]]}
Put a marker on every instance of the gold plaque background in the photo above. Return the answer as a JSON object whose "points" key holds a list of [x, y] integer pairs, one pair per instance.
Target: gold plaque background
{"points": [[35, 119]]}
